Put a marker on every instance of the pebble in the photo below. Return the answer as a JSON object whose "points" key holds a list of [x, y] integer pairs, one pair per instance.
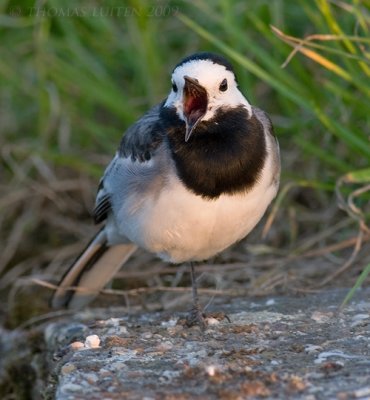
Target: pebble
{"points": [[211, 370], [270, 302], [147, 335], [359, 319], [212, 321], [312, 348], [77, 345], [170, 323], [321, 317], [92, 341], [67, 369], [71, 387]]}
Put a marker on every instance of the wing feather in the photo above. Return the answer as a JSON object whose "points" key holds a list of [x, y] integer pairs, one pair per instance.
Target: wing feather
{"points": [[138, 143], [143, 137], [102, 209]]}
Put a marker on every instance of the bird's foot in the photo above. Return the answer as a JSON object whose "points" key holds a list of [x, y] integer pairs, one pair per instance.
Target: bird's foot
{"points": [[196, 317]]}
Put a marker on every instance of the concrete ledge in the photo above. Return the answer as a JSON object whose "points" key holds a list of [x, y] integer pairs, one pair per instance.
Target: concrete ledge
{"points": [[277, 347]]}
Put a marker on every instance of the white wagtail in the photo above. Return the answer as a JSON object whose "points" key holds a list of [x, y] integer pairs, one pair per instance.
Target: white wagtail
{"points": [[190, 178]]}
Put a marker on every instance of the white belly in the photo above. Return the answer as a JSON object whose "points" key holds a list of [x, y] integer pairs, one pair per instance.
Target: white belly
{"points": [[180, 226]]}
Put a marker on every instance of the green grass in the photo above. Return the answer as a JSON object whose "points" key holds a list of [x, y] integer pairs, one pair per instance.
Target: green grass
{"points": [[96, 75], [71, 84]]}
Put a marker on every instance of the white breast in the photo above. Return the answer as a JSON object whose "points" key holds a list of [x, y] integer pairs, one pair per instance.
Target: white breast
{"points": [[180, 226]]}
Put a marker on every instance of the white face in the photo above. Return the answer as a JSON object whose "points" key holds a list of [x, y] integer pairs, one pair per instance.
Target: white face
{"points": [[210, 76]]}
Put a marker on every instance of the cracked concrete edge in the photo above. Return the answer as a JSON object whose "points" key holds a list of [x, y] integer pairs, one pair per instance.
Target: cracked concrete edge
{"points": [[302, 347]]}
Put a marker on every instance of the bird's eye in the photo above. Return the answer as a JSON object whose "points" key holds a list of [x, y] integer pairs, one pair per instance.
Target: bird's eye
{"points": [[223, 85], [174, 87]]}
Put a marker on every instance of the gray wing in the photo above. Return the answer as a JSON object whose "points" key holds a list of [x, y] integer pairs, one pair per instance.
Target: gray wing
{"points": [[264, 119], [143, 137], [273, 142], [138, 143]]}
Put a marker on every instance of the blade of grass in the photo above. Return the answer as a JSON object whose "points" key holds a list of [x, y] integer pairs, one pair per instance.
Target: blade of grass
{"points": [[322, 154], [360, 280], [359, 176], [326, 11], [298, 46], [357, 143]]}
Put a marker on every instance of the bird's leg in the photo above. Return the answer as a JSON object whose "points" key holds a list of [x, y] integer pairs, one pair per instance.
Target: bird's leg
{"points": [[196, 315]]}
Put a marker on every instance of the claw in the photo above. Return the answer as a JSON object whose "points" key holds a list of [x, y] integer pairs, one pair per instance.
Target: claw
{"points": [[196, 317]]}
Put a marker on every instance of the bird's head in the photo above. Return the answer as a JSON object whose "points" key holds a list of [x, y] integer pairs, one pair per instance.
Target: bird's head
{"points": [[202, 84]]}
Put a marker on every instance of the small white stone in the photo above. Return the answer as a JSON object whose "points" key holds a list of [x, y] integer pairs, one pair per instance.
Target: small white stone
{"points": [[77, 345], [212, 321], [71, 387], [270, 302], [147, 335], [211, 370], [312, 348], [170, 323], [92, 341]]}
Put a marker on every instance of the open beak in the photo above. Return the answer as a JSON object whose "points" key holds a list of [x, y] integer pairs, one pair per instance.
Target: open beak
{"points": [[195, 101]]}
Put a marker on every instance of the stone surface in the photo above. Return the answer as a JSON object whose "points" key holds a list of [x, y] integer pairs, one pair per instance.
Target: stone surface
{"points": [[280, 347]]}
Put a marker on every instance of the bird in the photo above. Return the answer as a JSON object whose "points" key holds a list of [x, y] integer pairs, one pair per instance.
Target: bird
{"points": [[190, 178]]}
